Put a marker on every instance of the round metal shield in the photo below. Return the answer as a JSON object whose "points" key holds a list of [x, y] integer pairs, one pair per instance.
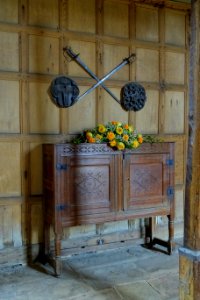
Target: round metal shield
{"points": [[133, 96], [64, 91]]}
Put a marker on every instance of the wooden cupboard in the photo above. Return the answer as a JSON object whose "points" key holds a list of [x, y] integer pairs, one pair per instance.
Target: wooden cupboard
{"points": [[93, 184]]}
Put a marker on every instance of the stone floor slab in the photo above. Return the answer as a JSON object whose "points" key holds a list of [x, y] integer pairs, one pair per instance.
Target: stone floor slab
{"points": [[138, 291], [132, 273]]}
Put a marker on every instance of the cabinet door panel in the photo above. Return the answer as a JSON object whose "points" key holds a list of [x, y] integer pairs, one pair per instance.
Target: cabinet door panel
{"points": [[146, 180], [87, 185]]}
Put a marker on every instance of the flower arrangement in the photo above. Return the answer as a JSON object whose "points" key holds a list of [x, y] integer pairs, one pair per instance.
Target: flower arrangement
{"points": [[116, 134]]}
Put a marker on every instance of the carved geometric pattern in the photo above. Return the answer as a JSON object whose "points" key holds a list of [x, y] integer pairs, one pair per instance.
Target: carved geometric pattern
{"points": [[91, 186], [87, 148], [143, 181]]}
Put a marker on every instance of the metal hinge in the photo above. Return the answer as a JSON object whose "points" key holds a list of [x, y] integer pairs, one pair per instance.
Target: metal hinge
{"points": [[61, 207], [60, 167], [170, 191], [169, 162]]}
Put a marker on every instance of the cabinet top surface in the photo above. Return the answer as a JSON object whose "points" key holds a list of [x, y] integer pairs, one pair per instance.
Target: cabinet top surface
{"points": [[86, 148]]}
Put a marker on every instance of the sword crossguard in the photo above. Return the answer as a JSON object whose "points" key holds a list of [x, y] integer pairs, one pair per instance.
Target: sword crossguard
{"points": [[130, 59], [70, 52]]}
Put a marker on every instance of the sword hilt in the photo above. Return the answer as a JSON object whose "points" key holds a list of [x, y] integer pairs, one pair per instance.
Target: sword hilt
{"points": [[70, 52], [130, 59]]}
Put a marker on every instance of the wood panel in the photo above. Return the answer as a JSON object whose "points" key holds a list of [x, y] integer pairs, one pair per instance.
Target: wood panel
{"points": [[43, 54], [10, 176], [82, 115], [112, 56], [36, 223], [147, 65], [175, 25], [87, 51], [113, 12], [9, 103], [43, 114], [180, 162], [147, 23], [36, 168], [9, 11], [10, 225], [9, 49], [111, 110], [43, 13], [174, 67], [79, 21], [174, 112], [147, 119], [179, 204]]}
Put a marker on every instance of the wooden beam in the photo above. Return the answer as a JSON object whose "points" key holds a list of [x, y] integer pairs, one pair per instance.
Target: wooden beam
{"points": [[190, 252]]}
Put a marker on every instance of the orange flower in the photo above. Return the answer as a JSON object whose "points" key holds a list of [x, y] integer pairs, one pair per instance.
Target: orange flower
{"points": [[113, 143], [125, 137], [140, 138], [119, 130], [120, 146], [91, 140], [126, 126], [110, 136], [101, 128], [114, 122], [116, 134]]}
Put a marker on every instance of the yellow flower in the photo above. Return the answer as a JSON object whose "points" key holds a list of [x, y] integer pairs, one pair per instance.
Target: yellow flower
{"points": [[119, 130], [99, 136], [130, 128], [113, 143], [110, 136], [120, 146], [125, 137], [116, 134], [101, 128], [88, 134], [135, 144]]}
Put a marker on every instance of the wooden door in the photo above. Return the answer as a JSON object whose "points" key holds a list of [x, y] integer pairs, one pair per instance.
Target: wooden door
{"points": [[146, 181], [87, 187]]}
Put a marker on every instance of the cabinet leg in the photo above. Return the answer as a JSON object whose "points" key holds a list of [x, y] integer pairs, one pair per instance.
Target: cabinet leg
{"points": [[58, 263], [171, 234], [43, 256], [47, 239], [149, 232]]}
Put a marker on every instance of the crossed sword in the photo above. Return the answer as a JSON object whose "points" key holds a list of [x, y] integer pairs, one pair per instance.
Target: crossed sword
{"points": [[100, 81]]}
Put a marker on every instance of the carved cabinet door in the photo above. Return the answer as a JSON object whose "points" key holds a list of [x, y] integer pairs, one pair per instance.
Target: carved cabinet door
{"points": [[87, 187], [146, 181]]}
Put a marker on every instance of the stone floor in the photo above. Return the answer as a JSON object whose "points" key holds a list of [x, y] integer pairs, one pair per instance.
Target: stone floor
{"points": [[134, 273]]}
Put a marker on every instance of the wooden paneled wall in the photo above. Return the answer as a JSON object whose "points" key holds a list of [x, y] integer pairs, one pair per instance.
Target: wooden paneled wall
{"points": [[32, 36]]}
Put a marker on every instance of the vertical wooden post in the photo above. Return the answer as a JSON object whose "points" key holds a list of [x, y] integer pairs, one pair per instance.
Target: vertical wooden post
{"points": [[189, 254]]}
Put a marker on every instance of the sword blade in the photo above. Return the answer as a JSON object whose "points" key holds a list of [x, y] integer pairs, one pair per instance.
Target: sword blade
{"points": [[76, 57]]}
